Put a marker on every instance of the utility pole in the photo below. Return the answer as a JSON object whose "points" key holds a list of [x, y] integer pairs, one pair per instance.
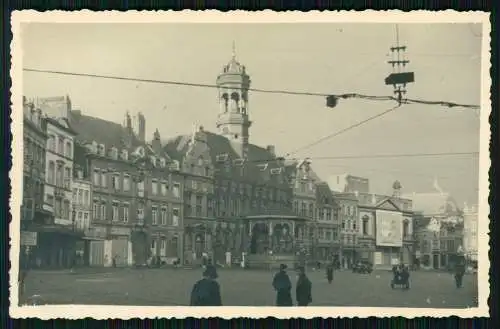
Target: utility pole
{"points": [[399, 77]]}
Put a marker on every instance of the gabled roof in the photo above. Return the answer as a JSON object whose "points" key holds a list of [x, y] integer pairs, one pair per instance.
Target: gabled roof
{"points": [[101, 131], [61, 123], [257, 157]]}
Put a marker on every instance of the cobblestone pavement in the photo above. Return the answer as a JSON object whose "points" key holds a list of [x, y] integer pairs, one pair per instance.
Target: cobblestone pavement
{"points": [[155, 287]]}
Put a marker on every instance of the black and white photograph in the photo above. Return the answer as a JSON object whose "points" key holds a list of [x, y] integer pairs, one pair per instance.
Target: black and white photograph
{"points": [[336, 162]]}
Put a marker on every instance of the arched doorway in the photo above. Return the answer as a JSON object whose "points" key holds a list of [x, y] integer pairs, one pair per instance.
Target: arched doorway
{"points": [[199, 244], [259, 243]]}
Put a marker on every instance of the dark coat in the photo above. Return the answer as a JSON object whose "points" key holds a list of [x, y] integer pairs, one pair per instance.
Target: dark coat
{"points": [[303, 291], [206, 292], [329, 272], [283, 287]]}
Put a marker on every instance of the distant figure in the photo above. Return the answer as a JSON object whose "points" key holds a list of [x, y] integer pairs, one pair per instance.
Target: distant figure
{"points": [[303, 289], [283, 287], [329, 272], [206, 292], [459, 272]]}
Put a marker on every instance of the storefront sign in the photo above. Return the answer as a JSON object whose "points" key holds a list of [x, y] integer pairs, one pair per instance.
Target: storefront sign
{"points": [[389, 228], [61, 221], [120, 231], [28, 238]]}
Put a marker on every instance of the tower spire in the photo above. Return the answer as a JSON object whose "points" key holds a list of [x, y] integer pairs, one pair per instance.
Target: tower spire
{"points": [[234, 51]]}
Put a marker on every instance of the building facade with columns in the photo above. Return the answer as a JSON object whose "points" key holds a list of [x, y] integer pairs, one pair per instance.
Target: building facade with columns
{"points": [[347, 205], [238, 196], [386, 229]]}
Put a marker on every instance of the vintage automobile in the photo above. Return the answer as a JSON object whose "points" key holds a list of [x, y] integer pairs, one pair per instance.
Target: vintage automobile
{"points": [[362, 267]]}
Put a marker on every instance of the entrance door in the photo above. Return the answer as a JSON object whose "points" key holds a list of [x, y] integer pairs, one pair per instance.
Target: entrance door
{"points": [[435, 261]]}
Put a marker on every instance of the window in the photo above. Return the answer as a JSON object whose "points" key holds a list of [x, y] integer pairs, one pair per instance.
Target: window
{"points": [[126, 183], [175, 217], [176, 190], [154, 215], [49, 199], [86, 222], [343, 224], [199, 201], [80, 196], [140, 211], [51, 173], [97, 177], [140, 188], [80, 218], [66, 210], [75, 191], [115, 211], [69, 150], [67, 177], [207, 171], [354, 226], [311, 210], [328, 214], [103, 210], [296, 207], [163, 247], [95, 207], [321, 214], [52, 143], [60, 146], [164, 216], [154, 187], [164, 188], [125, 212], [328, 235], [365, 225], [303, 209], [86, 199], [103, 179], [153, 247], [115, 182]]}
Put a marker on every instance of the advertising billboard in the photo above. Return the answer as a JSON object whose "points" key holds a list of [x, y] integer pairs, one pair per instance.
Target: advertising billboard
{"points": [[389, 228]]}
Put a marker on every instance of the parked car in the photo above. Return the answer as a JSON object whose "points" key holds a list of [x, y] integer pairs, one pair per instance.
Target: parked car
{"points": [[362, 267]]}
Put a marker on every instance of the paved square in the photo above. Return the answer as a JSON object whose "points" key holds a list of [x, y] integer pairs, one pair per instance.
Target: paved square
{"points": [[156, 287]]}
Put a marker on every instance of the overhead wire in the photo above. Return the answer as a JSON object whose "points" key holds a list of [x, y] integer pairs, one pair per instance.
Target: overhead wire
{"points": [[337, 133], [259, 90]]}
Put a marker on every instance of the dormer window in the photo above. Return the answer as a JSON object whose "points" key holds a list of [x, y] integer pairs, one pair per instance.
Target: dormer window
{"points": [[124, 155], [175, 165], [276, 171], [163, 162], [153, 160], [113, 153], [221, 157], [94, 147], [238, 162]]}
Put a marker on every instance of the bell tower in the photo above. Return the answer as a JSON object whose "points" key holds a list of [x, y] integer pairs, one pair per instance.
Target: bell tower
{"points": [[233, 120]]}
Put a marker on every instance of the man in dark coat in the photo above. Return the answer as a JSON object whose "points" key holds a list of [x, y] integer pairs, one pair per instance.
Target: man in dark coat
{"points": [[283, 287], [329, 272], [206, 292], [459, 271], [303, 289]]}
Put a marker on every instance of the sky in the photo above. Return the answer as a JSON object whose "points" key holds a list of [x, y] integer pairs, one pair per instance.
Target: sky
{"points": [[320, 58]]}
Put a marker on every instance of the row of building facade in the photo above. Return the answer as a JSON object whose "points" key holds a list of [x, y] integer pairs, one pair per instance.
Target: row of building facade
{"points": [[97, 193]]}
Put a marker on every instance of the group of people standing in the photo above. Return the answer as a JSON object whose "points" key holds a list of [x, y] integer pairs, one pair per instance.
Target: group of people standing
{"points": [[206, 292]]}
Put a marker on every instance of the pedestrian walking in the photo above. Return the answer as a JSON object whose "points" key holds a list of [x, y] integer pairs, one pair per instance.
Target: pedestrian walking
{"points": [[283, 287], [329, 272], [459, 272], [206, 292], [303, 291]]}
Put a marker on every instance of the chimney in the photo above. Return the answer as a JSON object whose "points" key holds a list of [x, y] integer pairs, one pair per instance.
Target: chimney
{"points": [[271, 149], [142, 127], [156, 143]]}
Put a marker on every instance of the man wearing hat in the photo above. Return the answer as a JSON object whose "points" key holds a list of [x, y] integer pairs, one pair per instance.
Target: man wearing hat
{"points": [[206, 292], [283, 287]]}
